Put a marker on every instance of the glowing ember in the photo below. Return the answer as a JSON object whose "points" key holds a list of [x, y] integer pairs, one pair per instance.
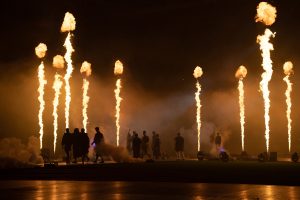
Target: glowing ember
{"points": [[57, 87], [266, 47], [241, 74], [68, 25], [266, 13], [118, 71], [85, 68], [288, 70], [40, 51], [197, 74], [58, 62]]}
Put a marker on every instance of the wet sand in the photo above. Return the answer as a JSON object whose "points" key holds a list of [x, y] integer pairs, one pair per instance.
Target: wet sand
{"points": [[242, 172]]}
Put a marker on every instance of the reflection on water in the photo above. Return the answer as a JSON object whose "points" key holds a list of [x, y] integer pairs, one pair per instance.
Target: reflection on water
{"points": [[63, 190]]}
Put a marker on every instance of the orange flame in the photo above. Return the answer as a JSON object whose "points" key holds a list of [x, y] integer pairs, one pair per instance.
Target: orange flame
{"points": [[241, 74], [266, 13], [197, 74], [57, 87], [288, 70], [266, 47], [58, 62], [67, 77], [85, 68], [69, 23], [118, 71], [40, 51]]}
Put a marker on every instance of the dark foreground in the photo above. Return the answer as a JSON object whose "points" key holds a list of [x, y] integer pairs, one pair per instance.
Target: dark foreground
{"points": [[124, 190], [251, 172]]}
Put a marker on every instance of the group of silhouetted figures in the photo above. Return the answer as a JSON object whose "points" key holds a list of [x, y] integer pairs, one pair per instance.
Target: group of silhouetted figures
{"points": [[79, 144], [140, 147]]}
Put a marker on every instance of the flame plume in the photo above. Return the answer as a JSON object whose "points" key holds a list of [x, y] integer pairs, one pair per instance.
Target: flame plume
{"points": [[288, 70], [118, 71], [197, 74], [67, 26], [241, 74], [85, 68], [266, 13], [58, 62], [57, 87], [40, 51], [266, 47]]}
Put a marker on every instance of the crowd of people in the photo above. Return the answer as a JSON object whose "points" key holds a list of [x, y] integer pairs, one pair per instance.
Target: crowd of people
{"points": [[79, 143]]}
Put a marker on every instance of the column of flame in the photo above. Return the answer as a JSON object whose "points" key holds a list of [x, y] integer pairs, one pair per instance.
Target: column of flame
{"points": [[40, 51], [241, 74], [85, 68], [197, 74], [57, 87], [266, 14], [288, 70], [68, 26], [118, 71]]}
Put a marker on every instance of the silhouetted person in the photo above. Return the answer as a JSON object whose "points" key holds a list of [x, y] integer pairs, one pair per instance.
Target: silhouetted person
{"points": [[156, 146], [76, 145], [66, 143], [153, 141], [179, 147], [98, 144], [129, 142], [218, 141], [136, 145], [145, 145], [84, 145]]}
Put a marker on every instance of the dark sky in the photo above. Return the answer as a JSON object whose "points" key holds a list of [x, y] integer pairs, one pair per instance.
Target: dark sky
{"points": [[159, 42]]}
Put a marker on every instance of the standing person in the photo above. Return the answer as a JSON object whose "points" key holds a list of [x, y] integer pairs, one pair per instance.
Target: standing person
{"points": [[179, 147], [156, 151], [145, 145], [66, 143], [153, 141], [76, 145], [84, 145], [218, 141], [129, 142], [98, 142], [136, 145]]}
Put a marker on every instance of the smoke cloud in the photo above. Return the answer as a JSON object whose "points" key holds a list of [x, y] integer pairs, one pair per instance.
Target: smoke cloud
{"points": [[58, 62], [266, 13], [69, 23]]}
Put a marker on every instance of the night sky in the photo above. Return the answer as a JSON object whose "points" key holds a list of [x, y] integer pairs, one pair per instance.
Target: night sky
{"points": [[160, 43]]}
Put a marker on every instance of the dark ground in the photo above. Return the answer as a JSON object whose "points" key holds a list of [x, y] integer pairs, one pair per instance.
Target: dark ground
{"points": [[242, 172]]}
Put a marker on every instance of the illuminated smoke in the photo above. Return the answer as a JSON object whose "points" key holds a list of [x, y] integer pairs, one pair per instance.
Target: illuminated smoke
{"points": [[288, 70], [241, 74], [68, 25], [57, 87], [40, 51], [118, 71], [266, 47], [197, 74], [266, 13], [85, 68], [58, 62]]}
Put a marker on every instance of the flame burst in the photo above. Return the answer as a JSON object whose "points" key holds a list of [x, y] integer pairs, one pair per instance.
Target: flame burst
{"points": [[118, 71], [197, 74], [68, 25], [58, 62], [266, 13], [288, 70], [85, 68], [40, 51], [266, 47], [241, 74], [57, 87]]}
